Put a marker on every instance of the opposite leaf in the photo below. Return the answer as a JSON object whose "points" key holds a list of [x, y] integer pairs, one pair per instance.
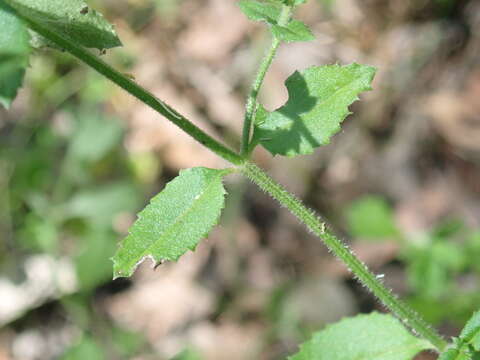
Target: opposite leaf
{"points": [[364, 337], [14, 53], [318, 102], [71, 18], [175, 221]]}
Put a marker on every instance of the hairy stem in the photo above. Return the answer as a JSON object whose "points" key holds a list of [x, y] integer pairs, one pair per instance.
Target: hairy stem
{"points": [[257, 83], [409, 317], [136, 90], [305, 215]]}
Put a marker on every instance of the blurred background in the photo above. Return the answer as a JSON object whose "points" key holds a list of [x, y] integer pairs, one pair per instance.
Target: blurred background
{"points": [[401, 183]]}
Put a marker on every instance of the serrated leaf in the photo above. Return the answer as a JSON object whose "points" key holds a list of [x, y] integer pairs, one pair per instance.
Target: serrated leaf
{"points": [[14, 54], [471, 328], [294, 31], [454, 354], [175, 221], [260, 11], [467, 345], [71, 18], [364, 337], [318, 102], [471, 332]]}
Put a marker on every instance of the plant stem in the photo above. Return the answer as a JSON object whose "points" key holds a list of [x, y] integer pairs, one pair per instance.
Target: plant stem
{"points": [[406, 314], [136, 90], [305, 215], [257, 83]]}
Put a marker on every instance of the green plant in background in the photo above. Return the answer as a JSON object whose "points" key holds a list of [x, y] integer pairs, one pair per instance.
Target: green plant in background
{"points": [[190, 205], [434, 260]]}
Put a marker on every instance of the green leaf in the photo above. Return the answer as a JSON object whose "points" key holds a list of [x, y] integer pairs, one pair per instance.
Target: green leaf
{"points": [[175, 221], [260, 11], [294, 31], [432, 267], [14, 53], [94, 137], [71, 18], [128, 343], [87, 348], [187, 354], [471, 332], [454, 354], [91, 264], [101, 204], [364, 337], [371, 218], [291, 2], [318, 102], [467, 345]]}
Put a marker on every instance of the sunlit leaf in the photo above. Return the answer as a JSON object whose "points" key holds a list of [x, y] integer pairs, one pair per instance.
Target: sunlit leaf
{"points": [[174, 221], [364, 337], [71, 18], [318, 102]]}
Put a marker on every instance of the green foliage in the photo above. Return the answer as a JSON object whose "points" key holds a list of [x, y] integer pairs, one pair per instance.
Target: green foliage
{"points": [[268, 12], [187, 354], [467, 345], [175, 221], [100, 204], [294, 31], [94, 137], [14, 53], [371, 218], [190, 205], [433, 260], [318, 102], [73, 19], [364, 337], [90, 265], [87, 348], [431, 268]]}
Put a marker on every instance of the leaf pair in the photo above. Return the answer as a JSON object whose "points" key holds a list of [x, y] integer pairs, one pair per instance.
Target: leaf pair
{"points": [[270, 13], [72, 19]]}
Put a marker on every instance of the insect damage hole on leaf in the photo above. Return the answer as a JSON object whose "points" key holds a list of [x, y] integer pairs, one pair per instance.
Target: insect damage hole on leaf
{"points": [[318, 102]]}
